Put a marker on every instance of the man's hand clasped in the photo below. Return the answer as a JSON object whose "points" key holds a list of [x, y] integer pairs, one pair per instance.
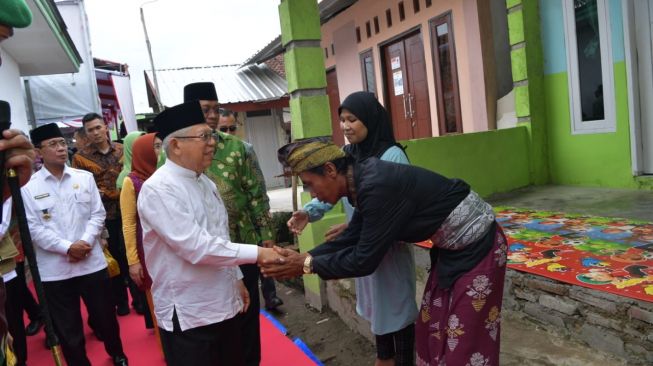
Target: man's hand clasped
{"points": [[79, 250], [282, 263]]}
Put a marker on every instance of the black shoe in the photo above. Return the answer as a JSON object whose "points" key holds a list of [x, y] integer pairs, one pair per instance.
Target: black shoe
{"points": [[33, 327], [274, 303], [120, 361], [122, 310]]}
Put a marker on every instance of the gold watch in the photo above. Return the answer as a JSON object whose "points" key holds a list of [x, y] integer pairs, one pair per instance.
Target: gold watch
{"points": [[308, 264]]}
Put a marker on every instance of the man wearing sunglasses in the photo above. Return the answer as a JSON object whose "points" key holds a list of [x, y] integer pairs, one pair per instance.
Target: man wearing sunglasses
{"points": [[247, 203], [228, 124]]}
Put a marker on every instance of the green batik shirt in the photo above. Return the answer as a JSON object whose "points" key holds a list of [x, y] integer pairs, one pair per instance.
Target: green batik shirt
{"points": [[248, 207]]}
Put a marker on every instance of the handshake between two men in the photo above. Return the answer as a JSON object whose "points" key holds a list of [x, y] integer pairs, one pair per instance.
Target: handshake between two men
{"points": [[281, 263]]}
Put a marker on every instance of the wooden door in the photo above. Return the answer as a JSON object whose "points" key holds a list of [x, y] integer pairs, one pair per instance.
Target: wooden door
{"points": [[418, 98], [395, 85], [334, 103], [446, 75], [405, 87]]}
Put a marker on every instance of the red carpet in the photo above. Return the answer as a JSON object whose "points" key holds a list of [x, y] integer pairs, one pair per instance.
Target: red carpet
{"points": [[605, 254], [142, 350]]}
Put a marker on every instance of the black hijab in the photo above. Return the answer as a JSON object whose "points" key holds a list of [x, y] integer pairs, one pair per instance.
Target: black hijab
{"points": [[380, 136]]}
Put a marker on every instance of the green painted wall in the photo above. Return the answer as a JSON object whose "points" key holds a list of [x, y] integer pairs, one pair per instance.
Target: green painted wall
{"points": [[601, 159], [491, 161], [313, 235]]}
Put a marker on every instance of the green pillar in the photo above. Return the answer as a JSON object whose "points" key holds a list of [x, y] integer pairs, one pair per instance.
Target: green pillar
{"points": [[309, 106], [304, 62], [528, 81]]}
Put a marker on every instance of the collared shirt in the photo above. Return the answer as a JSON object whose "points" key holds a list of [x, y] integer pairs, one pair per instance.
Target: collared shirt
{"points": [[105, 169], [60, 212], [188, 254], [234, 172]]}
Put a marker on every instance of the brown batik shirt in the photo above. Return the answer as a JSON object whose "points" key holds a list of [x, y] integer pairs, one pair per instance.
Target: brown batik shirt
{"points": [[105, 169]]}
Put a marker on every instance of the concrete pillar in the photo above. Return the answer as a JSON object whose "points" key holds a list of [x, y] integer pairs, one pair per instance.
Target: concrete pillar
{"points": [[304, 62], [309, 105], [528, 79]]}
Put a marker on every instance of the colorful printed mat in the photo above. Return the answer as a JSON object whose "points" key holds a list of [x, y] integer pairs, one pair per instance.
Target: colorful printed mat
{"points": [[606, 254]]}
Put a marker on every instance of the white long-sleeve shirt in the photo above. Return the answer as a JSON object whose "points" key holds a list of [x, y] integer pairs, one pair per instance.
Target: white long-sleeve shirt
{"points": [[60, 212], [192, 262]]}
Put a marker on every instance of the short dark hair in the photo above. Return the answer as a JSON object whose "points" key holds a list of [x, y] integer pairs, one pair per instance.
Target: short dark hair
{"points": [[81, 131], [226, 112], [341, 166], [91, 116]]}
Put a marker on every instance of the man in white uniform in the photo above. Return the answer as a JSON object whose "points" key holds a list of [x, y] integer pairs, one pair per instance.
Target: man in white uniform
{"points": [[66, 216], [197, 286]]}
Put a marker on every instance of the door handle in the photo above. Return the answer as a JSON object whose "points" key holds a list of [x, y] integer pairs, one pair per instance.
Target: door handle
{"points": [[410, 107], [405, 108]]}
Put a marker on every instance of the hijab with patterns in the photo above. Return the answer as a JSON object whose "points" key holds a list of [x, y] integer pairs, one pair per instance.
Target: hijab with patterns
{"points": [[144, 159], [127, 156], [380, 136]]}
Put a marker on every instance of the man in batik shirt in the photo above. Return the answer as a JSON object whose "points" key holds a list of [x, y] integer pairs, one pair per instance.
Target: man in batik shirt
{"points": [[247, 205], [227, 124]]}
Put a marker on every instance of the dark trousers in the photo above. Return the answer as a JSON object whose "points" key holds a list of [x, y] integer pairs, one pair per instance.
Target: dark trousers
{"points": [[120, 283], [211, 345], [399, 345], [26, 299], [16, 325], [268, 288], [63, 301], [251, 330]]}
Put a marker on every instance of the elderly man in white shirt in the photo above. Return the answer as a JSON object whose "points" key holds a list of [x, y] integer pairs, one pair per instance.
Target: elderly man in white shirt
{"points": [[66, 216], [197, 286]]}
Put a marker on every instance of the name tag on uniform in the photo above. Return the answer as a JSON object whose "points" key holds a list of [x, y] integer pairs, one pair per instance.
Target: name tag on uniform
{"points": [[41, 196]]}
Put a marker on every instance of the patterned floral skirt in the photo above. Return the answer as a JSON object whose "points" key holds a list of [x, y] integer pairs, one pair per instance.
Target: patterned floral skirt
{"points": [[461, 325]]}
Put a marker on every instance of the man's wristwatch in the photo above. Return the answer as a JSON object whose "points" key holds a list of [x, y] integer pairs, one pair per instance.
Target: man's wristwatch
{"points": [[308, 264]]}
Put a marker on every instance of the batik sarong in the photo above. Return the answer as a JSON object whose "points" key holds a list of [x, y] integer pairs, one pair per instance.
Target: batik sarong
{"points": [[460, 325]]}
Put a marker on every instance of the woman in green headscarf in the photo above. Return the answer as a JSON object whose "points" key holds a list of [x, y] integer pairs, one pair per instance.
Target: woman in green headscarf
{"points": [[127, 156]]}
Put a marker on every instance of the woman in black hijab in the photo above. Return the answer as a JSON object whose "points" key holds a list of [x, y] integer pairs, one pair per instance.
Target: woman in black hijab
{"points": [[364, 107]]}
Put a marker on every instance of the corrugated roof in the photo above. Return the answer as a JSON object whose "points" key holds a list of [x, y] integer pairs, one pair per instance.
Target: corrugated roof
{"points": [[234, 84]]}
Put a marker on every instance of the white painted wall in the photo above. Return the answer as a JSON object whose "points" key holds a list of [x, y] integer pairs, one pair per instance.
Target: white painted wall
{"points": [[11, 91], [68, 96]]}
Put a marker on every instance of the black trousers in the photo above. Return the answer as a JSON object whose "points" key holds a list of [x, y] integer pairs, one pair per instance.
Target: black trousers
{"points": [[211, 345], [399, 345], [63, 301], [26, 299], [268, 288], [16, 325], [251, 327], [120, 283]]}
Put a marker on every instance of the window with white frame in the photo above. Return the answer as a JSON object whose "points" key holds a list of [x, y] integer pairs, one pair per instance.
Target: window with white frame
{"points": [[589, 65]]}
